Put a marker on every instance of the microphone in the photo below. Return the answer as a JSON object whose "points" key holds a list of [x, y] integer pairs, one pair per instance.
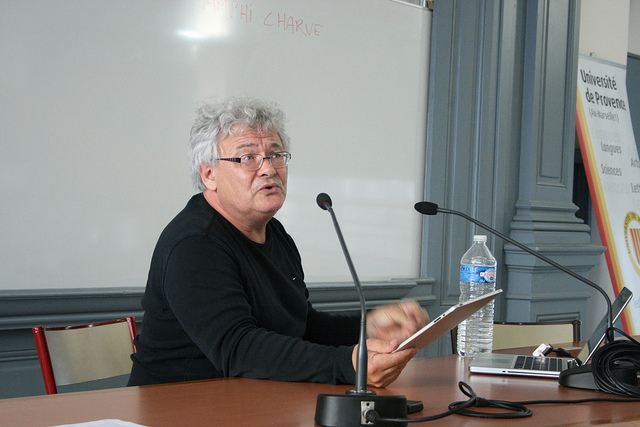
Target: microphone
{"points": [[324, 201], [579, 376], [349, 409], [428, 208]]}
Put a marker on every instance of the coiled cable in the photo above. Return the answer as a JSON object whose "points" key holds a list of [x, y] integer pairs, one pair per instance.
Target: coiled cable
{"points": [[615, 354]]}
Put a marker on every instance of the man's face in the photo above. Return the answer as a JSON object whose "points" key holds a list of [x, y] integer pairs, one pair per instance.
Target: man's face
{"points": [[249, 195]]}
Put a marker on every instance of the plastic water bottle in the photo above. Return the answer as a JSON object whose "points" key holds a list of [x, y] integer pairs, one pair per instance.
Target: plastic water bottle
{"points": [[477, 277]]}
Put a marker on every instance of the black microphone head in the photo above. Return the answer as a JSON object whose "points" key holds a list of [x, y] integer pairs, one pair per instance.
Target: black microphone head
{"points": [[324, 201], [426, 208]]}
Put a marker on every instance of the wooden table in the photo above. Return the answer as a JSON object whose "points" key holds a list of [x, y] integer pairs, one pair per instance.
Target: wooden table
{"points": [[237, 401]]}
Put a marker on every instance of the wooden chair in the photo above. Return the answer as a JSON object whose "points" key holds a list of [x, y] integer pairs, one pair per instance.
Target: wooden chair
{"points": [[528, 334], [81, 353]]}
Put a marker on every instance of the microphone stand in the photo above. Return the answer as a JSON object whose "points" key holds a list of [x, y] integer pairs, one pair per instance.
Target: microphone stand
{"points": [[349, 409], [578, 376], [361, 362], [428, 208]]}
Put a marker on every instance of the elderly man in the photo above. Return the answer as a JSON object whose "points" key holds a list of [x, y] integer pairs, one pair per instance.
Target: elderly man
{"points": [[226, 295]]}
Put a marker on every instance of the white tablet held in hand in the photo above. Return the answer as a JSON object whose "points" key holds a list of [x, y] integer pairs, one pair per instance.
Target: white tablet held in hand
{"points": [[447, 321]]}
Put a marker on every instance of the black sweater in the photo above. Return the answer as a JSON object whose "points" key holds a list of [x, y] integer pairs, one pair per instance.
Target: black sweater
{"points": [[220, 305]]}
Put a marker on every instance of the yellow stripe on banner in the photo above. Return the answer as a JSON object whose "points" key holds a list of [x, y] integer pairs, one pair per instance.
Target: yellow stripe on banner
{"points": [[635, 239]]}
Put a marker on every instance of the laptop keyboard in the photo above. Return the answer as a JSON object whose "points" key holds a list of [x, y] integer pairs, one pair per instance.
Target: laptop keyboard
{"points": [[539, 363]]}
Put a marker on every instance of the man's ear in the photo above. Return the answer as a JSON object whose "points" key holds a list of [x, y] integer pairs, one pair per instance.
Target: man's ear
{"points": [[207, 175]]}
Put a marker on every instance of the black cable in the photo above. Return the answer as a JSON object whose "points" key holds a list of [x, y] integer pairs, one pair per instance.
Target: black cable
{"points": [[518, 411], [614, 354], [560, 352], [571, 402], [515, 409], [373, 416]]}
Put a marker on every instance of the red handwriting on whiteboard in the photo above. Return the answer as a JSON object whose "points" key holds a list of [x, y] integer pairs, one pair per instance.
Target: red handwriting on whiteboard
{"points": [[289, 23], [237, 10], [231, 9]]}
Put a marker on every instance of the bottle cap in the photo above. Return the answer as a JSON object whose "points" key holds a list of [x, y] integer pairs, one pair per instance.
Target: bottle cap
{"points": [[479, 238]]}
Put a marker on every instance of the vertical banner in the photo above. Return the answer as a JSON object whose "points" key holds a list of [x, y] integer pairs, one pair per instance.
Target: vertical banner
{"points": [[611, 161]]}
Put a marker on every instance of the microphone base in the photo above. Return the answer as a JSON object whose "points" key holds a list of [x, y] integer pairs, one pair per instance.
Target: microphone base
{"points": [[349, 409], [582, 376]]}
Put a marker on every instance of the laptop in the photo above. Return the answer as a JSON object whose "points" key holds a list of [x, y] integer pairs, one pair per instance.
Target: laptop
{"points": [[447, 321], [548, 367]]}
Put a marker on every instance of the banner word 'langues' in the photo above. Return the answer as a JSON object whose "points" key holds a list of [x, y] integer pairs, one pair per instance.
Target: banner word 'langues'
{"points": [[610, 148]]}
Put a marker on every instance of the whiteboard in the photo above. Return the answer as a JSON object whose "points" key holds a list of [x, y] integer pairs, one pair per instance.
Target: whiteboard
{"points": [[97, 98]]}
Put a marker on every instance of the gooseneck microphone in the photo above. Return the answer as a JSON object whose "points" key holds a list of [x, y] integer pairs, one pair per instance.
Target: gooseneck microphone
{"points": [[349, 409], [428, 208], [324, 201]]}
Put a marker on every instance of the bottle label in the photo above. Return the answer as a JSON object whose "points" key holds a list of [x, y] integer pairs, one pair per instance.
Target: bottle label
{"points": [[477, 274]]}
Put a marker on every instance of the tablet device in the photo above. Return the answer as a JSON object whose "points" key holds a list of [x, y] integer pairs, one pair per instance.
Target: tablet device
{"points": [[447, 321]]}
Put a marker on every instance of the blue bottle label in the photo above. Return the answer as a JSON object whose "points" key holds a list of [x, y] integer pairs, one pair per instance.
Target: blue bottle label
{"points": [[477, 274]]}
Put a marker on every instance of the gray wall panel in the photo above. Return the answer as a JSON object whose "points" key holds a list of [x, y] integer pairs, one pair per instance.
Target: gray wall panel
{"points": [[500, 148]]}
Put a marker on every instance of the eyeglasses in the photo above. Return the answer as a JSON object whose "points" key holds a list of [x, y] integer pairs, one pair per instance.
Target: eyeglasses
{"points": [[254, 161]]}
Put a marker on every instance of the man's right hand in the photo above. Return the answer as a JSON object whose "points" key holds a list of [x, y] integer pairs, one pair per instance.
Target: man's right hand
{"points": [[384, 367]]}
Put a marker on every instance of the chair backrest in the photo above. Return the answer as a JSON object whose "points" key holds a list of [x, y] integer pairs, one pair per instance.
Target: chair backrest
{"points": [[525, 334], [528, 334], [80, 353]]}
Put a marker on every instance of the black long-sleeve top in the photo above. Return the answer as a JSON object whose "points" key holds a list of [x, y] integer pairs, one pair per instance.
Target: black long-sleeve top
{"points": [[220, 305]]}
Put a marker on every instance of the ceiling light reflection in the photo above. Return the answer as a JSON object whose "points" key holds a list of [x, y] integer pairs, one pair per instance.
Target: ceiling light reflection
{"points": [[207, 26]]}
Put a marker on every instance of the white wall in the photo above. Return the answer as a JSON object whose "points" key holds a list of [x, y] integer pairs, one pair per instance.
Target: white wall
{"points": [[604, 29], [634, 27], [608, 30]]}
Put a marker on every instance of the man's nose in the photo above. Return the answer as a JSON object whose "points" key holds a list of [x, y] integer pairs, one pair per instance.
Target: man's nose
{"points": [[267, 168]]}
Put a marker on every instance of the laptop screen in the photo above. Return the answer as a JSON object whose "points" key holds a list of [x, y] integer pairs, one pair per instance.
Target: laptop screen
{"points": [[617, 307]]}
